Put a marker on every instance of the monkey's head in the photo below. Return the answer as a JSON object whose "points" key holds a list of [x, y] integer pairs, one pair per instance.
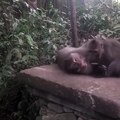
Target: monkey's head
{"points": [[95, 49], [75, 63]]}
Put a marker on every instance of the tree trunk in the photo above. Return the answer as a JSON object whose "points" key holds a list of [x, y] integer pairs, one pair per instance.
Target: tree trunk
{"points": [[74, 24]]}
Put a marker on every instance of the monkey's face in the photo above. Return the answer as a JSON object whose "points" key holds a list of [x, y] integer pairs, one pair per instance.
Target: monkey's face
{"points": [[76, 64]]}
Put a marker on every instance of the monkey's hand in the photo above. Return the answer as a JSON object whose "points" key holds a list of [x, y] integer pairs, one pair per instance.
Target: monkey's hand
{"points": [[99, 70]]}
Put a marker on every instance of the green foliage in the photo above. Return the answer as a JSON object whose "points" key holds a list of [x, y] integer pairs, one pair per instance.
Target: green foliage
{"points": [[100, 19], [28, 38], [113, 29]]}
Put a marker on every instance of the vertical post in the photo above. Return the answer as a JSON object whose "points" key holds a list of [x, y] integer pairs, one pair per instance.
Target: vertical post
{"points": [[74, 23]]}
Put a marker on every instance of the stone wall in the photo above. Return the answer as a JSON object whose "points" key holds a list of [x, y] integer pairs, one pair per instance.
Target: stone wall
{"points": [[53, 111], [52, 108], [67, 94]]}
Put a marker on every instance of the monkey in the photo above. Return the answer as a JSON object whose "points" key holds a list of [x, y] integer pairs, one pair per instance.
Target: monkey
{"points": [[64, 53], [73, 60], [108, 54], [107, 49], [75, 63], [76, 60]]}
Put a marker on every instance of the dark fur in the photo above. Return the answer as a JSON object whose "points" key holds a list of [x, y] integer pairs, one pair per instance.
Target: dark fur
{"points": [[98, 70], [114, 69], [65, 59], [108, 51], [66, 56]]}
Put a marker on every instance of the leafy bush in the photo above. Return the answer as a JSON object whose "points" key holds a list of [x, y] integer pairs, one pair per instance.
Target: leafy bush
{"points": [[114, 23], [99, 19], [28, 38]]}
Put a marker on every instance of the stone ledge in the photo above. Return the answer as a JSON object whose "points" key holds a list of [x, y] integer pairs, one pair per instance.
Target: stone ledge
{"points": [[100, 94]]}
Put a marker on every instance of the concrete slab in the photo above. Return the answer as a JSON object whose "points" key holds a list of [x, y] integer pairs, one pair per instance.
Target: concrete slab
{"points": [[99, 94]]}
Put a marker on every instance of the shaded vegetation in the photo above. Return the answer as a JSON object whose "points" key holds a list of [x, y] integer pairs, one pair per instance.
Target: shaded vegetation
{"points": [[30, 40], [99, 20]]}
